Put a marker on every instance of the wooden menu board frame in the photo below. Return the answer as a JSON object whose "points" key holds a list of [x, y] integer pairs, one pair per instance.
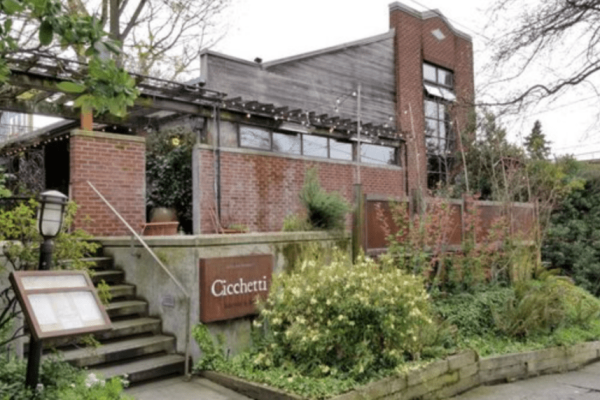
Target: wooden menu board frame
{"points": [[23, 295]]}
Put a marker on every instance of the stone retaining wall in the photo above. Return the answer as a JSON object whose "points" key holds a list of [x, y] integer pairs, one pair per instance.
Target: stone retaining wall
{"points": [[445, 378]]}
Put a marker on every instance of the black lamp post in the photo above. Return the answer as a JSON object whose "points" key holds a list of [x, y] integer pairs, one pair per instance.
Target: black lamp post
{"points": [[49, 219]]}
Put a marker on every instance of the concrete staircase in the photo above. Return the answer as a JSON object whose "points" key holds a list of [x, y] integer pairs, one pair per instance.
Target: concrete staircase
{"points": [[135, 346]]}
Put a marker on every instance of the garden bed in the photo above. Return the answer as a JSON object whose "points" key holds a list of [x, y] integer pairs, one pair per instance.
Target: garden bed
{"points": [[443, 379]]}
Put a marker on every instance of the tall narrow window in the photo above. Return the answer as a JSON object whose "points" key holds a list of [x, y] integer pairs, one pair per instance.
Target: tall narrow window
{"points": [[439, 137]]}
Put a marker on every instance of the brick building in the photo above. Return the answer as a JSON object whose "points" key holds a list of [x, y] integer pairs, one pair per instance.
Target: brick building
{"points": [[410, 90], [383, 111]]}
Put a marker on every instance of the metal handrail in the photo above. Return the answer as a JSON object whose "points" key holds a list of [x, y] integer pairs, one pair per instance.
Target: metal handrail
{"points": [[166, 269]]}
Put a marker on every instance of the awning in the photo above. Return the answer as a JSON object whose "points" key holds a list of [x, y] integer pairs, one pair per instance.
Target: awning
{"points": [[440, 92]]}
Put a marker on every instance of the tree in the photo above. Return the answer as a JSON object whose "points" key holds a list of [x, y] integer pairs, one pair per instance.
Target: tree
{"points": [[550, 46], [536, 144], [104, 86], [162, 38]]}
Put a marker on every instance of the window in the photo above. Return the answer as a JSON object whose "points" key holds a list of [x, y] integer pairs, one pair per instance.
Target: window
{"points": [[314, 146], [340, 150], [375, 154], [438, 76], [255, 138], [287, 143], [439, 137]]}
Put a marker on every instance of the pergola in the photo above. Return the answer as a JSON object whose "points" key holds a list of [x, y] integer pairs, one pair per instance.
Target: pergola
{"points": [[32, 88]]}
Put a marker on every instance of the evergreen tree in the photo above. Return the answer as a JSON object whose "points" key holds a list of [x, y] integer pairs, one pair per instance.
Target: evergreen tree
{"points": [[536, 144]]}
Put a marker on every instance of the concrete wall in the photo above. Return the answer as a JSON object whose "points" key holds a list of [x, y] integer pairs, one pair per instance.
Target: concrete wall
{"points": [[182, 254]]}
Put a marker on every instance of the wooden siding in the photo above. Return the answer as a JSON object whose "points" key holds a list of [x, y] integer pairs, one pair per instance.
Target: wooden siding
{"points": [[315, 82]]}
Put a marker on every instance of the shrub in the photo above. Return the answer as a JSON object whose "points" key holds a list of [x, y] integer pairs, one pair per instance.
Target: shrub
{"points": [[324, 210], [473, 314], [59, 381], [339, 319], [21, 250], [572, 242], [541, 306], [169, 172]]}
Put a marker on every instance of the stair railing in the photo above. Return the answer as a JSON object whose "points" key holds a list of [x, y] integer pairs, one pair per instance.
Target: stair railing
{"points": [[166, 269]]}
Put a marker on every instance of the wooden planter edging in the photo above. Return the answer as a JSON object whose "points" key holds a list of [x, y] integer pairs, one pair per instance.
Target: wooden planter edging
{"points": [[445, 378]]}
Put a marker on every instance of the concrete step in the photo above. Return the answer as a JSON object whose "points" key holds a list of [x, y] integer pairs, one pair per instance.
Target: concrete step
{"points": [[145, 369], [110, 276], [125, 328], [123, 290], [131, 327], [97, 263], [122, 308], [120, 350]]}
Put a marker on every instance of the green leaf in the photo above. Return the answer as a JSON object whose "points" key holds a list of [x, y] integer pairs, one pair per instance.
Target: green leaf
{"points": [[70, 87], [12, 6], [46, 33], [7, 25]]}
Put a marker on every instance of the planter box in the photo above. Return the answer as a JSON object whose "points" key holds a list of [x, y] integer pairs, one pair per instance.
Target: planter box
{"points": [[445, 378], [160, 228]]}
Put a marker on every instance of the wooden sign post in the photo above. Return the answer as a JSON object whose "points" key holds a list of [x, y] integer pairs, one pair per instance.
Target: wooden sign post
{"points": [[58, 304]]}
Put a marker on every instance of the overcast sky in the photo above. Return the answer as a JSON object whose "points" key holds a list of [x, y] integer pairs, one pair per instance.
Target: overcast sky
{"points": [[273, 29]]}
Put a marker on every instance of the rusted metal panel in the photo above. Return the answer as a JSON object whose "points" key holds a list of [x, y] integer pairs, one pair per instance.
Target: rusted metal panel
{"points": [[489, 214], [523, 220], [229, 286], [380, 223]]}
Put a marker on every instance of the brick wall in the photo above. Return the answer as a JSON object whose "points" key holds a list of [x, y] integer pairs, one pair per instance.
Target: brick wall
{"points": [[116, 166], [259, 190], [415, 44]]}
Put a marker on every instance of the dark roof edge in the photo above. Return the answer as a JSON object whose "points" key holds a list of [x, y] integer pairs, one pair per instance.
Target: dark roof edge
{"points": [[228, 57], [397, 6], [343, 46]]}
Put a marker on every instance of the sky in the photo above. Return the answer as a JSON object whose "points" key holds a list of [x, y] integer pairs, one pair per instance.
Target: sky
{"points": [[273, 29]]}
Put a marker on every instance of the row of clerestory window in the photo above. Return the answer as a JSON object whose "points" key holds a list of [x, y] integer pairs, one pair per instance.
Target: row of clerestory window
{"points": [[315, 146]]}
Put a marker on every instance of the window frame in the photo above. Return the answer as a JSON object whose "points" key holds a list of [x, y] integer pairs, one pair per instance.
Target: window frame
{"points": [[354, 146], [442, 157]]}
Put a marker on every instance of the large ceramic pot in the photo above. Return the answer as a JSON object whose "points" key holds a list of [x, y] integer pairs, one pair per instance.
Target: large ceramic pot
{"points": [[163, 214]]}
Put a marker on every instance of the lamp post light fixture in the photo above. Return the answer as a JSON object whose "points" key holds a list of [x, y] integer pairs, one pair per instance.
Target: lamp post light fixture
{"points": [[49, 220]]}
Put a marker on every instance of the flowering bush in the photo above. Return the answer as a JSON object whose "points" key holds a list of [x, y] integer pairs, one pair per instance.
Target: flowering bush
{"points": [[344, 320]]}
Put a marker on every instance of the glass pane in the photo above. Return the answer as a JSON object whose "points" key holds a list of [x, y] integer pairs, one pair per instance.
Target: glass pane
{"points": [[284, 143], [374, 154], [442, 146], [431, 109], [53, 282], [442, 112], [431, 127], [442, 130], [255, 138], [340, 150], [432, 144], [315, 146], [444, 77], [429, 73]]}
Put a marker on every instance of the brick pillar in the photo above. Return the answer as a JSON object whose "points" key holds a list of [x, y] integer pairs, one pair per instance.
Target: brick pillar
{"points": [[116, 166], [409, 90], [414, 44]]}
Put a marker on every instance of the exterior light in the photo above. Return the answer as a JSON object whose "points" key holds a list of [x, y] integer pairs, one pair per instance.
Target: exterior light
{"points": [[50, 213]]}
